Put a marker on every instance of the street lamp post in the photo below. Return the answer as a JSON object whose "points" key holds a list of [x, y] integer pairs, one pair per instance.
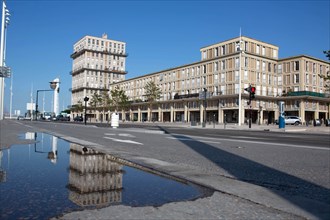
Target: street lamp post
{"points": [[52, 86], [85, 100], [41, 90], [240, 82], [4, 71], [204, 121]]}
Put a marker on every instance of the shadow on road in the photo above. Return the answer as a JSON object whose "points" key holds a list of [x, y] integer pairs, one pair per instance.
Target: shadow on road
{"points": [[291, 188]]}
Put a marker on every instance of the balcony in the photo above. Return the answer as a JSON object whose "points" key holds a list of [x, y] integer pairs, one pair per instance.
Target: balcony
{"points": [[78, 53]]}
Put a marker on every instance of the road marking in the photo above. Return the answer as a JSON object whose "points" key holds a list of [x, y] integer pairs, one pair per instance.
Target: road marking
{"points": [[258, 142], [122, 135], [109, 134], [245, 137], [189, 139], [123, 141], [126, 135]]}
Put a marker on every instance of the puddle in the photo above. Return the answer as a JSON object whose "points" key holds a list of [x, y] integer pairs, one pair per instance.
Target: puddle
{"points": [[53, 177]]}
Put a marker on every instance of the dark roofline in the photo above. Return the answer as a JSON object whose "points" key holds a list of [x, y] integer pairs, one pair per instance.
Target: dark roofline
{"points": [[238, 37], [303, 55]]}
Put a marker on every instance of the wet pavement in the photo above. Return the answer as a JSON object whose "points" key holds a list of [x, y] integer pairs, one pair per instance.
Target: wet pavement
{"points": [[233, 199], [52, 176]]}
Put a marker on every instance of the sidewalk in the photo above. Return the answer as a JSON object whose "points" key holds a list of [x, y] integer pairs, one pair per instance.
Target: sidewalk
{"points": [[231, 126]]}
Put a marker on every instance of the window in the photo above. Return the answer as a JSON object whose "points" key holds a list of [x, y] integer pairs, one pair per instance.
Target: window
{"points": [[258, 65], [223, 50], [223, 65], [204, 68], [236, 75], [204, 54], [279, 80], [264, 78], [215, 78], [296, 78], [237, 46], [296, 65], [263, 51], [307, 78], [246, 75], [280, 68], [237, 62], [314, 79], [246, 62], [258, 49], [216, 52], [258, 77], [216, 66], [263, 66], [274, 53], [222, 77]]}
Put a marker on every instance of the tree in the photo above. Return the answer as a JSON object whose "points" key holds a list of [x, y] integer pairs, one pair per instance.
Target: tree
{"points": [[95, 102], [105, 102], [152, 92], [119, 100], [77, 107], [326, 76]]}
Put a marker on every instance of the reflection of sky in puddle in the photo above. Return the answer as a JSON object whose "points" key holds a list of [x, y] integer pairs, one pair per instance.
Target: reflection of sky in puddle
{"points": [[52, 177]]}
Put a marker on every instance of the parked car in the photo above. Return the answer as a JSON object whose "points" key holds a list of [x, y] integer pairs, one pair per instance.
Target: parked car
{"points": [[78, 118], [62, 118], [20, 117], [292, 120]]}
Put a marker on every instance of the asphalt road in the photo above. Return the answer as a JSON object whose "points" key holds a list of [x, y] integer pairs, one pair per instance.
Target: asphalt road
{"points": [[285, 171]]}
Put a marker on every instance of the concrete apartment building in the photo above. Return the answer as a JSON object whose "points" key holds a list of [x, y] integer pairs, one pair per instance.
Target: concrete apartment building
{"points": [[225, 69], [97, 63]]}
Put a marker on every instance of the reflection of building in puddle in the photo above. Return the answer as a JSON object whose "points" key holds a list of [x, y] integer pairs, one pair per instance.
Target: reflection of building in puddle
{"points": [[94, 179], [52, 155], [2, 171], [30, 135]]}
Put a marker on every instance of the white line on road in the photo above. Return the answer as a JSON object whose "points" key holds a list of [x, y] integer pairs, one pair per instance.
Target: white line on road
{"points": [[255, 142], [122, 135], [123, 141]]}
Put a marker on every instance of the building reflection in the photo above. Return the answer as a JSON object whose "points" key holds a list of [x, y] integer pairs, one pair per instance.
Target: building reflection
{"points": [[52, 155], [3, 173], [94, 179]]}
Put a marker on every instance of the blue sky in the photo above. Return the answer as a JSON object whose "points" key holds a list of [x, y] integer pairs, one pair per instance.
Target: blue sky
{"points": [[158, 35]]}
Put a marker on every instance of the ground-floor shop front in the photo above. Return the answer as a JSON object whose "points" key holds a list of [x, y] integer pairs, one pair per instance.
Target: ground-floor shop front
{"points": [[226, 110]]}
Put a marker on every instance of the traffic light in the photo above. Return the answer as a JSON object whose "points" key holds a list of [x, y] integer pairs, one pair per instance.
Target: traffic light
{"points": [[248, 89], [252, 92]]}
